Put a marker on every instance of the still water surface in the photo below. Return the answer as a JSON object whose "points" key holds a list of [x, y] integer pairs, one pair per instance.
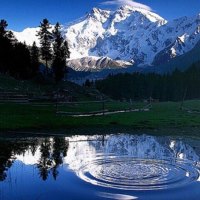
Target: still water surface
{"points": [[120, 166]]}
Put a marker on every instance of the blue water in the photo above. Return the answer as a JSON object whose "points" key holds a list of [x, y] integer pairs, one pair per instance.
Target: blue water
{"points": [[117, 166]]}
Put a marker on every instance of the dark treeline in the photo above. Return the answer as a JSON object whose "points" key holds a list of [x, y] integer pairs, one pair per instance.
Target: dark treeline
{"points": [[15, 58], [168, 87], [24, 62]]}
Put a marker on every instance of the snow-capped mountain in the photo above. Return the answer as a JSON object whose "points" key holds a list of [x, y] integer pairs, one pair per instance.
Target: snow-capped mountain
{"points": [[179, 37], [129, 34], [28, 35], [143, 146], [106, 33]]}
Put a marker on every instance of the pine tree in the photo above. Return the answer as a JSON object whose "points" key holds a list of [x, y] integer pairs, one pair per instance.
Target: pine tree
{"points": [[3, 26], [45, 37], [6, 47], [14, 56], [11, 37], [6, 34], [61, 53], [21, 65], [35, 63]]}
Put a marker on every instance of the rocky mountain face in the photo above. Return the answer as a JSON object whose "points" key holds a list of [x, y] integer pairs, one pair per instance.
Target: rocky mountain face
{"points": [[123, 37], [93, 63]]}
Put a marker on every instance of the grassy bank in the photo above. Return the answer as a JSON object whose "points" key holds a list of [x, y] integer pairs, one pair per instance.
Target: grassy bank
{"points": [[38, 88], [43, 117]]}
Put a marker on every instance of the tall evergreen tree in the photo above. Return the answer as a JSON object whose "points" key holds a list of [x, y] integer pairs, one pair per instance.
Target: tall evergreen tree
{"points": [[45, 37], [35, 63], [11, 37], [6, 47], [61, 53], [14, 56], [21, 66], [3, 26]]}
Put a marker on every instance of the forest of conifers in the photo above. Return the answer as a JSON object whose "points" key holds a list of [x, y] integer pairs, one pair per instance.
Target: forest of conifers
{"points": [[166, 87]]}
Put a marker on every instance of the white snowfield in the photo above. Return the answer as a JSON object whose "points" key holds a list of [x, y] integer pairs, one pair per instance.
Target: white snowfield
{"points": [[129, 34]]}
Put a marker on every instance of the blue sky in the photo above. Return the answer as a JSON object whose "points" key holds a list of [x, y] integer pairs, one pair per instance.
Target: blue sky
{"points": [[28, 13]]}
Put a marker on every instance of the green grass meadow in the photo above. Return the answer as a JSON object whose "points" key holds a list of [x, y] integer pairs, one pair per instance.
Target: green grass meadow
{"points": [[43, 116]]}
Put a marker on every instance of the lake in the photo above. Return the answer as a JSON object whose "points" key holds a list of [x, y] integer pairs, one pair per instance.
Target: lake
{"points": [[117, 166]]}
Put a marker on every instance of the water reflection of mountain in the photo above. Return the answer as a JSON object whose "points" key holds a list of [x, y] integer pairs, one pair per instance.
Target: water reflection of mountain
{"points": [[132, 162], [143, 146], [47, 154]]}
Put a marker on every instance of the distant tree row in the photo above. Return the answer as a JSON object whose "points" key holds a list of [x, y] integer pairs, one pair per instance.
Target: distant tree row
{"points": [[167, 87], [23, 62]]}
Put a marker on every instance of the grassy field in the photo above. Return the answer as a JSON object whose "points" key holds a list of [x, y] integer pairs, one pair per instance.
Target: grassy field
{"points": [[95, 106], [38, 88], [43, 117]]}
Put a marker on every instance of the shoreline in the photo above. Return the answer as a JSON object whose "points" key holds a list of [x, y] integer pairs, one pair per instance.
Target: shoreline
{"points": [[175, 131]]}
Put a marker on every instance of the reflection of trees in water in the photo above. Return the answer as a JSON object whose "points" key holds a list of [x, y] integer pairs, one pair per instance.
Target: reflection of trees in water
{"points": [[45, 162], [60, 147], [52, 152], [5, 160], [8, 150]]}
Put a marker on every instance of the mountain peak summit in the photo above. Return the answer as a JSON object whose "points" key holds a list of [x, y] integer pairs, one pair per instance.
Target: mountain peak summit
{"points": [[96, 10], [129, 7], [99, 14], [128, 33]]}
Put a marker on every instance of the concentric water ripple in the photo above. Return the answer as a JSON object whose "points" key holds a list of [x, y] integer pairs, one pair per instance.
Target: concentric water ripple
{"points": [[138, 174]]}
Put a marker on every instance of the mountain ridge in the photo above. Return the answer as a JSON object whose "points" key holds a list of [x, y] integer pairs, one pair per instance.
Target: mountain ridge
{"points": [[128, 34]]}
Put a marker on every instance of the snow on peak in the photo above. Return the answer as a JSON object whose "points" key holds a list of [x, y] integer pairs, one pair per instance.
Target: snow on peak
{"points": [[28, 35], [128, 33], [99, 11], [98, 14], [153, 17], [129, 8]]}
